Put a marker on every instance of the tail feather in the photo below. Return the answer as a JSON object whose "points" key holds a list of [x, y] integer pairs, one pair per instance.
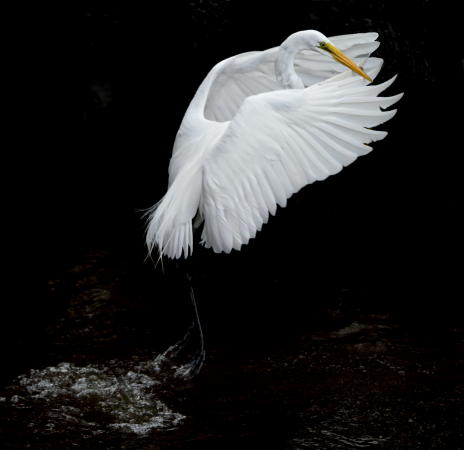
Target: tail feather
{"points": [[169, 228]]}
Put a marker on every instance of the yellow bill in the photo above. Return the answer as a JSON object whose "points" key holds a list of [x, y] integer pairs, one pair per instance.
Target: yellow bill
{"points": [[339, 56]]}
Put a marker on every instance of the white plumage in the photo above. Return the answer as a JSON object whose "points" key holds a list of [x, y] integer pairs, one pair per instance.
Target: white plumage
{"points": [[261, 126]]}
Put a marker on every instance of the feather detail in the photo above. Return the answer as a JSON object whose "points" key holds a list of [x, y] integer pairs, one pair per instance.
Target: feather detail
{"points": [[285, 140], [246, 145]]}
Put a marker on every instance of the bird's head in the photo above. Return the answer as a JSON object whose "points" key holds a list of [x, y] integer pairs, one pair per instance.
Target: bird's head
{"points": [[323, 44], [308, 40]]}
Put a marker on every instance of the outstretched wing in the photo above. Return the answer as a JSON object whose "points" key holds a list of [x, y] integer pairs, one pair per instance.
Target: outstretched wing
{"points": [[279, 142], [254, 73]]}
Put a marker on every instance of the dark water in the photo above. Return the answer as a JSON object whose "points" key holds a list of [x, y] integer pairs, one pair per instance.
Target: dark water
{"points": [[103, 381]]}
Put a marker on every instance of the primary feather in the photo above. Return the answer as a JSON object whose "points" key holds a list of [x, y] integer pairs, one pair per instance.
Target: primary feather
{"points": [[246, 145]]}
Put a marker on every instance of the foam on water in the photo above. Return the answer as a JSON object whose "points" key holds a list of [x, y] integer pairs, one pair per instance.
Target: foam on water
{"points": [[120, 395], [127, 400]]}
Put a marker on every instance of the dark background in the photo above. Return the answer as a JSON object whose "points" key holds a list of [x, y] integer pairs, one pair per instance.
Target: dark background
{"points": [[384, 234]]}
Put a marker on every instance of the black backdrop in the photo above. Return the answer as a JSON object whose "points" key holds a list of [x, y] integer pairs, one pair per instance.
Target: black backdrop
{"points": [[385, 230]]}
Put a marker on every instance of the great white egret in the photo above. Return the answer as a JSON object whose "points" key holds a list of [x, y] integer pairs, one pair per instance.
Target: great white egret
{"points": [[261, 126]]}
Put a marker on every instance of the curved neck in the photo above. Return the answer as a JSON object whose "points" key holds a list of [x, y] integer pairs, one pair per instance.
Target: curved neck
{"points": [[284, 64], [285, 70]]}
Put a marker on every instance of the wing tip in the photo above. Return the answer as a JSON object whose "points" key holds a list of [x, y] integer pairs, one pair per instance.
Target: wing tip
{"points": [[398, 97]]}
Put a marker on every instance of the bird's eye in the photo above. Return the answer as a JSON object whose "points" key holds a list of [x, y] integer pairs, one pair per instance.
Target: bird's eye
{"points": [[325, 46]]}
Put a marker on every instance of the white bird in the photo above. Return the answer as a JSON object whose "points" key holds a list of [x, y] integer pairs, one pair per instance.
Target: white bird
{"points": [[261, 126]]}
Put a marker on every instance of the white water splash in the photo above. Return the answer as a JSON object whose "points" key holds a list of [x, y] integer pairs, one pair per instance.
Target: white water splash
{"points": [[185, 358], [121, 395], [69, 393]]}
